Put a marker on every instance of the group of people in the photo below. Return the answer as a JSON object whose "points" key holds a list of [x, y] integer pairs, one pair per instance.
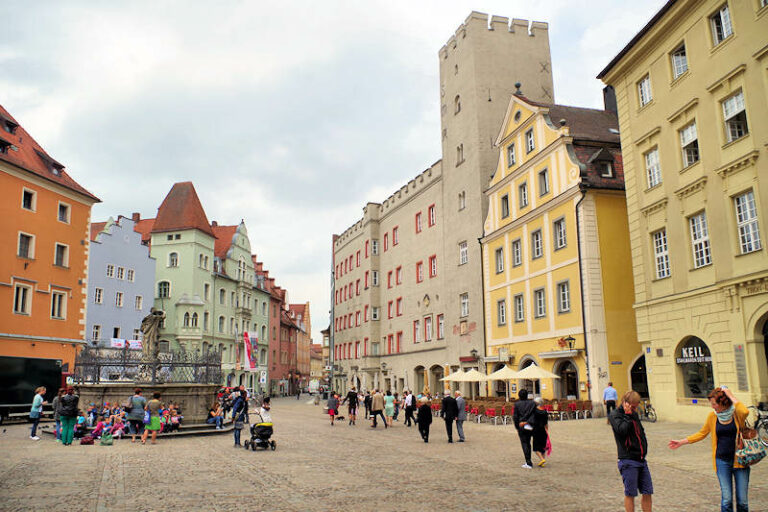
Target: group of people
{"points": [[724, 425]]}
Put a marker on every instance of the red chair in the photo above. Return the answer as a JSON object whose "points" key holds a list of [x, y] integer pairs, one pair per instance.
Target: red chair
{"points": [[573, 409], [491, 413], [475, 412]]}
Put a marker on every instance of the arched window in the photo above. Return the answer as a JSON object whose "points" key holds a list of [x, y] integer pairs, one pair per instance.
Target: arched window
{"points": [[194, 320], [200, 263], [263, 357], [533, 386], [173, 259], [221, 324], [694, 362], [569, 380], [186, 319], [457, 104], [163, 289], [205, 321], [263, 334]]}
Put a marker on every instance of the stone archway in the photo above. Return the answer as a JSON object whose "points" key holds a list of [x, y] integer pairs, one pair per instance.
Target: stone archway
{"points": [[694, 366], [568, 384], [637, 377], [499, 386], [418, 380], [533, 386], [436, 372]]}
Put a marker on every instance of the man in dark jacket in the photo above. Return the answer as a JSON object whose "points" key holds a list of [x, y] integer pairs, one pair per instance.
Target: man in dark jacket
{"points": [[367, 403], [424, 419], [523, 420], [449, 412], [632, 448]]}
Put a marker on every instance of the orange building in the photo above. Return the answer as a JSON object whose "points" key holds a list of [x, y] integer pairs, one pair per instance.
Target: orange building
{"points": [[44, 237]]}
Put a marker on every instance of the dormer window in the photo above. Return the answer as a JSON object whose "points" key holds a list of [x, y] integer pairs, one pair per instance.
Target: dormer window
{"points": [[602, 160], [8, 125], [4, 145], [606, 169]]}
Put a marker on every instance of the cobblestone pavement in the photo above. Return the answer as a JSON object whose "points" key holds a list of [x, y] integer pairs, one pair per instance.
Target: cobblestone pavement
{"points": [[321, 468]]}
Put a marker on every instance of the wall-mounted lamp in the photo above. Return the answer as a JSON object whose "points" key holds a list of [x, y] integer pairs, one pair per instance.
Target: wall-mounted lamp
{"points": [[570, 340]]}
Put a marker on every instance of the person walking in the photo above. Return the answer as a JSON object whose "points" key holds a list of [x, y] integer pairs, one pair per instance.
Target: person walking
{"points": [[135, 416], [377, 408], [540, 431], [398, 403], [153, 407], [424, 419], [632, 447], [68, 415], [389, 408], [352, 398], [724, 423], [37, 411], [239, 415], [409, 407], [56, 404], [333, 406], [610, 396], [449, 411], [367, 401], [522, 417], [461, 417]]}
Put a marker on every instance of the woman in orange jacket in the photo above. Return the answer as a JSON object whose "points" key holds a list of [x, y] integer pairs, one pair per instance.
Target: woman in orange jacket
{"points": [[724, 424]]}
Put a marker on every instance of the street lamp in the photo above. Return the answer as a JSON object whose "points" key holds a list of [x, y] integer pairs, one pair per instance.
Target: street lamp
{"points": [[570, 339], [384, 366], [473, 353]]}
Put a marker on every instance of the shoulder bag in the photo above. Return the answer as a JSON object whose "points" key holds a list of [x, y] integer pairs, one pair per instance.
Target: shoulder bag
{"points": [[147, 419], [106, 440], [749, 449], [128, 406]]}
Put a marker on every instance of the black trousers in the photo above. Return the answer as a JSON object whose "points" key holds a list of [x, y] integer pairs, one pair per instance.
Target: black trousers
{"points": [[367, 411], [610, 405], [424, 431], [525, 441], [374, 414], [449, 428], [409, 416]]}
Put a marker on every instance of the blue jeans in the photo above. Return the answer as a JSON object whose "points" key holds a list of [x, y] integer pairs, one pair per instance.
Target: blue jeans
{"points": [[35, 422], [57, 429], [218, 420], [727, 475]]}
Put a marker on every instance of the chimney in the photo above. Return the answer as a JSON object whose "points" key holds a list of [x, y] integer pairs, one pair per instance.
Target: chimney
{"points": [[135, 216], [609, 99]]}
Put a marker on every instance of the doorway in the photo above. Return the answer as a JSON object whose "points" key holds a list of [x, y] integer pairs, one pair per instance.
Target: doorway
{"points": [[569, 380], [638, 377]]}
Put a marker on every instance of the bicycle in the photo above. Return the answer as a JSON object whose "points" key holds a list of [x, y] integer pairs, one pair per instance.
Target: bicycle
{"points": [[761, 424], [648, 413]]}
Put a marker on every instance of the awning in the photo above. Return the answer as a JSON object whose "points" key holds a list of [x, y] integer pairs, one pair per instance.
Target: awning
{"points": [[556, 354]]}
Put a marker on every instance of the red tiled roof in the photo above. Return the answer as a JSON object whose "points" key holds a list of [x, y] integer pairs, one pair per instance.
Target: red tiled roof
{"points": [[96, 228], [144, 226], [299, 309], [587, 123], [223, 242], [181, 209], [29, 155]]}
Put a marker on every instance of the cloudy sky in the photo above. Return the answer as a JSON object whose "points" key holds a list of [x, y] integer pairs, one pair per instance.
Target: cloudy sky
{"points": [[290, 115]]}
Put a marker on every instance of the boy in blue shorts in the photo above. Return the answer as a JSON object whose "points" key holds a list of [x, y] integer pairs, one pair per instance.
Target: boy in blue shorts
{"points": [[633, 449]]}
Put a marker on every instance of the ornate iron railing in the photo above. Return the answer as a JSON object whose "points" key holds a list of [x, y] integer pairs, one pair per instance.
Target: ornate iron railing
{"points": [[98, 365]]}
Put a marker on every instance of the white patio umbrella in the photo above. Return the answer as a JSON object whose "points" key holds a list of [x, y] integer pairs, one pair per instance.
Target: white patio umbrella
{"points": [[507, 374], [472, 376], [454, 377], [534, 372]]}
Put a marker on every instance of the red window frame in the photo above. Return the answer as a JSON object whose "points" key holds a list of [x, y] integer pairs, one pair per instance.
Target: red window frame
{"points": [[417, 222], [390, 339], [357, 259], [389, 309], [357, 318], [357, 349], [365, 347], [366, 279], [357, 287], [433, 266], [399, 341], [395, 237], [389, 279], [399, 306], [365, 313], [431, 215], [415, 323], [367, 248], [399, 275], [419, 266], [386, 241], [425, 328]]}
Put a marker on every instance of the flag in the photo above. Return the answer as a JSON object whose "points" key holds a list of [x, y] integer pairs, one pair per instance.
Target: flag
{"points": [[250, 363]]}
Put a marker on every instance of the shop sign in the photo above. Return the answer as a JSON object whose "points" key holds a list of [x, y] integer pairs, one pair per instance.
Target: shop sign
{"points": [[694, 355]]}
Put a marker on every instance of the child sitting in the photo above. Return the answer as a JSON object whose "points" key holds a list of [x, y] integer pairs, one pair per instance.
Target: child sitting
{"points": [[99, 428], [117, 429], [80, 425], [175, 421]]}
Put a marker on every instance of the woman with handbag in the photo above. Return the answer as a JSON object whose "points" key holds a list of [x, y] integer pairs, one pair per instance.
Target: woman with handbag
{"points": [[135, 415], [239, 414], [153, 424], [725, 424]]}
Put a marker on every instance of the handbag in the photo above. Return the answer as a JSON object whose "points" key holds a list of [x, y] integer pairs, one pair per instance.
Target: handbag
{"points": [[106, 440], [749, 450], [128, 406], [147, 419], [86, 440]]}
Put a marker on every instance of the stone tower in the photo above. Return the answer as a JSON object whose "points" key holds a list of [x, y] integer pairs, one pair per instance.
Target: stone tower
{"points": [[479, 67]]}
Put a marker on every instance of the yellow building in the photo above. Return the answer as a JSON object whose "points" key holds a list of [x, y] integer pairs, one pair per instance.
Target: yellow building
{"points": [[557, 225], [691, 94]]}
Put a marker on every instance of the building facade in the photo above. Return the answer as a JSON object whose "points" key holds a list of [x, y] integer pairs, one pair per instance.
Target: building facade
{"points": [[121, 282], [557, 226], [407, 304], [44, 234], [301, 317], [691, 90]]}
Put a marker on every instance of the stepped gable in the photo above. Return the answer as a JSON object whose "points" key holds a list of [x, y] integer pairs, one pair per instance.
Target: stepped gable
{"points": [[180, 210], [224, 235], [22, 151]]}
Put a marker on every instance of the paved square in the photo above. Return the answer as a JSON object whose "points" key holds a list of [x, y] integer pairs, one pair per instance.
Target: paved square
{"points": [[318, 468]]}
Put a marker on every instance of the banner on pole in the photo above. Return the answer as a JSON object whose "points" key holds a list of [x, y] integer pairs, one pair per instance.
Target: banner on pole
{"points": [[120, 343], [250, 362]]}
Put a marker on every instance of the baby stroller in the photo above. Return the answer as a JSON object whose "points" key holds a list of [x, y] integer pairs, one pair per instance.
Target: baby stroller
{"points": [[260, 436]]}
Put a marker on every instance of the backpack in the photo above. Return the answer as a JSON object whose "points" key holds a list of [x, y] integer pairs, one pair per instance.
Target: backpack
{"points": [[106, 440], [86, 440]]}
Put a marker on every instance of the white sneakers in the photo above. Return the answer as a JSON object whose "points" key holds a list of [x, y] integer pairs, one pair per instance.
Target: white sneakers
{"points": [[34, 438], [526, 466]]}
